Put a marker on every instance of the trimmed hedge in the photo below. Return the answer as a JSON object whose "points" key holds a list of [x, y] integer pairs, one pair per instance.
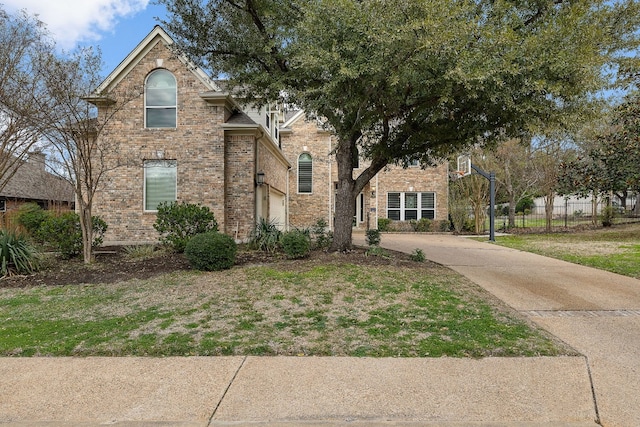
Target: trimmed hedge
{"points": [[211, 251]]}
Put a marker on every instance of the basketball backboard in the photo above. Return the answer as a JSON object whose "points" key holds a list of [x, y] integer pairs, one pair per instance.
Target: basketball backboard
{"points": [[464, 165]]}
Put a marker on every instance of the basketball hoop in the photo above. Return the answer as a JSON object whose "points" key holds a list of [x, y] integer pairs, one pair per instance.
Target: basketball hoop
{"points": [[464, 166]]}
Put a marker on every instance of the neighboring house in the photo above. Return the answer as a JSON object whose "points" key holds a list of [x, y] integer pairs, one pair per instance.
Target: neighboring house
{"points": [[31, 183], [186, 139]]}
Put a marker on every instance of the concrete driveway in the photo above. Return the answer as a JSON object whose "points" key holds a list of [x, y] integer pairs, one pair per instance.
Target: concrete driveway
{"points": [[596, 312]]}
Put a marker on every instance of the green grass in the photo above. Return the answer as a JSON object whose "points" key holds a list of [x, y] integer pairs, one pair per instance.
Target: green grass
{"points": [[284, 309], [615, 249]]}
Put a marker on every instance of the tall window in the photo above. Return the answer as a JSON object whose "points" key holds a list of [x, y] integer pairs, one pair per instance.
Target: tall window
{"points": [[160, 100], [160, 179], [305, 173], [408, 206]]}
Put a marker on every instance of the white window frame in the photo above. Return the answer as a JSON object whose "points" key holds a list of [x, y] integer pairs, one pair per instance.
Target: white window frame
{"points": [[419, 204], [152, 107], [168, 164], [310, 177]]}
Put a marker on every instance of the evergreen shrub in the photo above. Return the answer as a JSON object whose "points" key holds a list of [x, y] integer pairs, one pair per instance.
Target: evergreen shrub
{"points": [[179, 222], [295, 244], [211, 251]]}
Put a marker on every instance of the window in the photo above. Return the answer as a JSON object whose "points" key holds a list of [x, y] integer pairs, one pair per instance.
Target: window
{"points": [[160, 100], [3, 205], [408, 206], [159, 183], [305, 173]]}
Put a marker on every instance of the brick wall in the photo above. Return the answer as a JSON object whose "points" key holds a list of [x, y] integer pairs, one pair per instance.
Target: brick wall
{"points": [[306, 209], [197, 144]]}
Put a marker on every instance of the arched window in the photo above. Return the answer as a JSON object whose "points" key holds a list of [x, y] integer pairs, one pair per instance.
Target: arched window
{"points": [[305, 173], [160, 100]]}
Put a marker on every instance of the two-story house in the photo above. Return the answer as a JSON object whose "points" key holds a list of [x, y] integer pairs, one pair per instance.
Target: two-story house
{"points": [[185, 138]]}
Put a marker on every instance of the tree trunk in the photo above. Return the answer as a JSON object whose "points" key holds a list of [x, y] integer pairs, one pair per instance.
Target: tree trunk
{"points": [[548, 210], [87, 233], [512, 210], [345, 199]]}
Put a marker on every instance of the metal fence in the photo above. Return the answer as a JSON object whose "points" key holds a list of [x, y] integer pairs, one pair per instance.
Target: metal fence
{"points": [[568, 213]]}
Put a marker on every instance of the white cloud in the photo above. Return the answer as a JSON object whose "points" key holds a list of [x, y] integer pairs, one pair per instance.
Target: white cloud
{"points": [[74, 21]]}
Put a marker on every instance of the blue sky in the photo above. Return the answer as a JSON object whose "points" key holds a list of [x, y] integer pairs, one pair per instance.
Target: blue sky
{"points": [[116, 26]]}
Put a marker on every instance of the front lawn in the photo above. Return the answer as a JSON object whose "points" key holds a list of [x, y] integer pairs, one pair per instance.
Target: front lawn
{"points": [[327, 305], [615, 249]]}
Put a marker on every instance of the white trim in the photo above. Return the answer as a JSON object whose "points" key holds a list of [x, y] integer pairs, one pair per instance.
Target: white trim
{"points": [[157, 35], [298, 173], [146, 107], [293, 119]]}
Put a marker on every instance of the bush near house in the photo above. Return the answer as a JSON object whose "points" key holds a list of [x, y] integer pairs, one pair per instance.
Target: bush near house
{"points": [[177, 223], [31, 216], [295, 244], [211, 251], [64, 234], [265, 236], [322, 237]]}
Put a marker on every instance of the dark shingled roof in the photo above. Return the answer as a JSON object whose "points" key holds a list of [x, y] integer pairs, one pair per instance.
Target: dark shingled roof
{"points": [[32, 182], [240, 118]]}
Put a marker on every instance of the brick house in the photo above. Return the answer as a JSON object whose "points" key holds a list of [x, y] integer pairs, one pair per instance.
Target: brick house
{"points": [[32, 183], [185, 138]]}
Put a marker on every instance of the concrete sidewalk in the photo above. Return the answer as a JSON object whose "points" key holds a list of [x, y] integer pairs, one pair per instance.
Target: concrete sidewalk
{"points": [[279, 391], [591, 310]]}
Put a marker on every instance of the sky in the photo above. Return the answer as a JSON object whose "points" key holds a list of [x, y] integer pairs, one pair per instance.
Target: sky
{"points": [[116, 26]]}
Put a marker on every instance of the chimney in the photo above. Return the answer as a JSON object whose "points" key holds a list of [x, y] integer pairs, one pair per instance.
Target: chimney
{"points": [[38, 157]]}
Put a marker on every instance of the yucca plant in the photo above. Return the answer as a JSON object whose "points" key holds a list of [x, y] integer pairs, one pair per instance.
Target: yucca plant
{"points": [[17, 256], [265, 236]]}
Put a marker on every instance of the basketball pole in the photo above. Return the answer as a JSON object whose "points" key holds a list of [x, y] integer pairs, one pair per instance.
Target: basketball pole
{"points": [[491, 176]]}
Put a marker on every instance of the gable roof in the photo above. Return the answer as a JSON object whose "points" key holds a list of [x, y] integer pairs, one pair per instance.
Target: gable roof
{"points": [[32, 182], [157, 35]]}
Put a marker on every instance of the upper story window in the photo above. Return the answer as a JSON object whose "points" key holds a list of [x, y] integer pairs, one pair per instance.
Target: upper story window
{"points": [[160, 100], [305, 173]]}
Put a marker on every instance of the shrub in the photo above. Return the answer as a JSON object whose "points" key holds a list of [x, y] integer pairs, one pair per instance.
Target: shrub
{"points": [[211, 251], [65, 235], [423, 225], [179, 222], [417, 255], [139, 251], [444, 226], [295, 244], [384, 224], [608, 215], [525, 204], [30, 217], [16, 255], [377, 251], [265, 236], [373, 237], [323, 237]]}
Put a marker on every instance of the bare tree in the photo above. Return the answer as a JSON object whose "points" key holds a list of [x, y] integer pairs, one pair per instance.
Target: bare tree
{"points": [[23, 40], [76, 132], [550, 153], [514, 173]]}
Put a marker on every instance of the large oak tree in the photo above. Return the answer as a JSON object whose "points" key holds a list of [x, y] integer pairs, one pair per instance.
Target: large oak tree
{"points": [[403, 80]]}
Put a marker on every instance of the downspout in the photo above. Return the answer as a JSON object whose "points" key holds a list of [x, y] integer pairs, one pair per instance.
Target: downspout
{"points": [[288, 198], [330, 198], [377, 201]]}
